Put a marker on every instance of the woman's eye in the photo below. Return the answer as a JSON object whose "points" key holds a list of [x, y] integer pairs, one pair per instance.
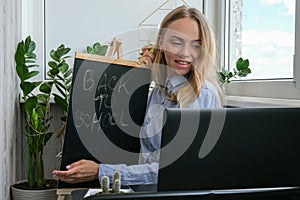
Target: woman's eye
{"points": [[176, 43], [196, 46]]}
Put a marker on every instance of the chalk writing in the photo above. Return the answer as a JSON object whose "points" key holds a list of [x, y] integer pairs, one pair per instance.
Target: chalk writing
{"points": [[107, 83], [123, 86], [93, 122], [105, 100], [88, 81]]}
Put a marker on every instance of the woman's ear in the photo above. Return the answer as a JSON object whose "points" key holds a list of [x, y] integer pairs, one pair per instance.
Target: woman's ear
{"points": [[160, 43]]}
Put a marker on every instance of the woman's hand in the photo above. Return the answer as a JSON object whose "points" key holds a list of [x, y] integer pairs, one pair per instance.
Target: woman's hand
{"points": [[80, 171], [148, 56]]}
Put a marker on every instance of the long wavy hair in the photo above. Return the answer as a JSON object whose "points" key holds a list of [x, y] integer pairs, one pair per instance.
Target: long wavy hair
{"points": [[204, 66]]}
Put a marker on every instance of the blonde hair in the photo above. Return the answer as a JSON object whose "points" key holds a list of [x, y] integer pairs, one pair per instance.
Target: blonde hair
{"points": [[203, 68]]}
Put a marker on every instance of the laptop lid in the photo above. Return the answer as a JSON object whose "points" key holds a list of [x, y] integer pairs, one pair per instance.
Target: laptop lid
{"points": [[232, 148]]}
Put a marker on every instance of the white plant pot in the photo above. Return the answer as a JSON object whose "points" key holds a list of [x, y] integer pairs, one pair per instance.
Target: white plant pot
{"points": [[25, 194]]}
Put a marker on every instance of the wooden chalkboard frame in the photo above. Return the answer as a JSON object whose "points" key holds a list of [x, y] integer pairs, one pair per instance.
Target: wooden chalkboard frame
{"points": [[106, 59], [105, 77]]}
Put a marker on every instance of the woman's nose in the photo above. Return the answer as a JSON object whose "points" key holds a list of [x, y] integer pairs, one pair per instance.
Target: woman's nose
{"points": [[184, 51]]}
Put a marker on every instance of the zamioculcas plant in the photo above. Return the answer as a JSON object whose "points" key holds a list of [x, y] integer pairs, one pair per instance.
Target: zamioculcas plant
{"points": [[36, 96], [61, 76]]}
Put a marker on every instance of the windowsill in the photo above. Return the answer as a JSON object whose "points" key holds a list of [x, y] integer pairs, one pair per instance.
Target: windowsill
{"points": [[259, 102]]}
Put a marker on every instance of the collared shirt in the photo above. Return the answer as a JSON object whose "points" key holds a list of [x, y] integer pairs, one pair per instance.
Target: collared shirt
{"points": [[146, 171]]}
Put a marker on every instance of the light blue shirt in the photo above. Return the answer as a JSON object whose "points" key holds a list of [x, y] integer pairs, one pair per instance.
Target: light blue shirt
{"points": [[146, 171]]}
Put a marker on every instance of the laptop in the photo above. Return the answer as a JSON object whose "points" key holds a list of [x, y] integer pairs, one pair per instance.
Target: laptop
{"points": [[230, 149]]}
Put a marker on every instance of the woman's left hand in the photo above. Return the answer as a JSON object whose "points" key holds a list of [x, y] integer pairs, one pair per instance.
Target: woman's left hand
{"points": [[148, 56], [80, 171]]}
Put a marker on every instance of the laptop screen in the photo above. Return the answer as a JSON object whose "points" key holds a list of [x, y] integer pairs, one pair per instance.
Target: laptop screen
{"points": [[232, 148]]}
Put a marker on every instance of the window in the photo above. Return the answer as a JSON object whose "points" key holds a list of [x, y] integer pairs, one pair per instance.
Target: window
{"points": [[229, 19], [264, 32]]}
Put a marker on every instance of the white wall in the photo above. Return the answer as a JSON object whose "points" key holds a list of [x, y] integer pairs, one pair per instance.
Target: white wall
{"points": [[10, 34]]}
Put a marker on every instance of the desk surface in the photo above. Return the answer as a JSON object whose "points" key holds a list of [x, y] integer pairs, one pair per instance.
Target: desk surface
{"points": [[79, 194], [147, 193]]}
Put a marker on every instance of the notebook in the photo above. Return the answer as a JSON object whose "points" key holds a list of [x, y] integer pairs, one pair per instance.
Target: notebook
{"points": [[230, 148]]}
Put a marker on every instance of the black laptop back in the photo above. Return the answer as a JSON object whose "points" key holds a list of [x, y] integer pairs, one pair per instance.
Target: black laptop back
{"points": [[233, 148]]}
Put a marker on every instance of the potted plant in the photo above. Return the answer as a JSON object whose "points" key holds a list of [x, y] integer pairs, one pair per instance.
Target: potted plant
{"points": [[241, 70], [116, 186], [36, 96], [97, 49]]}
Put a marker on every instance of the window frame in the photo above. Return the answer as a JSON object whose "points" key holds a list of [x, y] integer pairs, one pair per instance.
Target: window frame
{"points": [[33, 24], [280, 89]]}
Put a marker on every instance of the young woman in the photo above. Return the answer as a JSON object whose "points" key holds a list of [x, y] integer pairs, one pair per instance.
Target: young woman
{"points": [[183, 71]]}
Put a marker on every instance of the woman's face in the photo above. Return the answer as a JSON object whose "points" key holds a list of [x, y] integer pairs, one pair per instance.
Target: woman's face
{"points": [[181, 44]]}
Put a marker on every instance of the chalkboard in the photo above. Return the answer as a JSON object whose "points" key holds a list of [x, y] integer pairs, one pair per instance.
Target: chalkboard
{"points": [[107, 107]]}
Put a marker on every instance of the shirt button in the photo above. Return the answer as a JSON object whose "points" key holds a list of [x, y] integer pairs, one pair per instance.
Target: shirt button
{"points": [[148, 120]]}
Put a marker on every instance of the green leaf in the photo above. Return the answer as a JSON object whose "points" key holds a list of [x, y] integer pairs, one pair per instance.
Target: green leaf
{"points": [[54, 71], [19, 55], [31, 46], [61, 89], [30, 66], [69, 87], [30, 55], [60, 78], [102, 51], [89, 50], [46, 87], [50, 75], [60, 85], [41, 110], [68, 73], [96, 45], [35, 119], [30, 104], [64, 67], [22, 71], [244, 72], [52, 64], [32, 74], [53, 55], [27, 87], [97, 49], [242, 64], [66, 51], [65, 57], [221, 76], [27, 43], [42, 97], [61, 102], [59, 51], [69, 81], [30, 61]]}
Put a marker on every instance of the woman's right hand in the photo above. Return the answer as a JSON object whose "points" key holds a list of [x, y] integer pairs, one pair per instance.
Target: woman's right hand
{"points": [[148, 56], [80, 171]]}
